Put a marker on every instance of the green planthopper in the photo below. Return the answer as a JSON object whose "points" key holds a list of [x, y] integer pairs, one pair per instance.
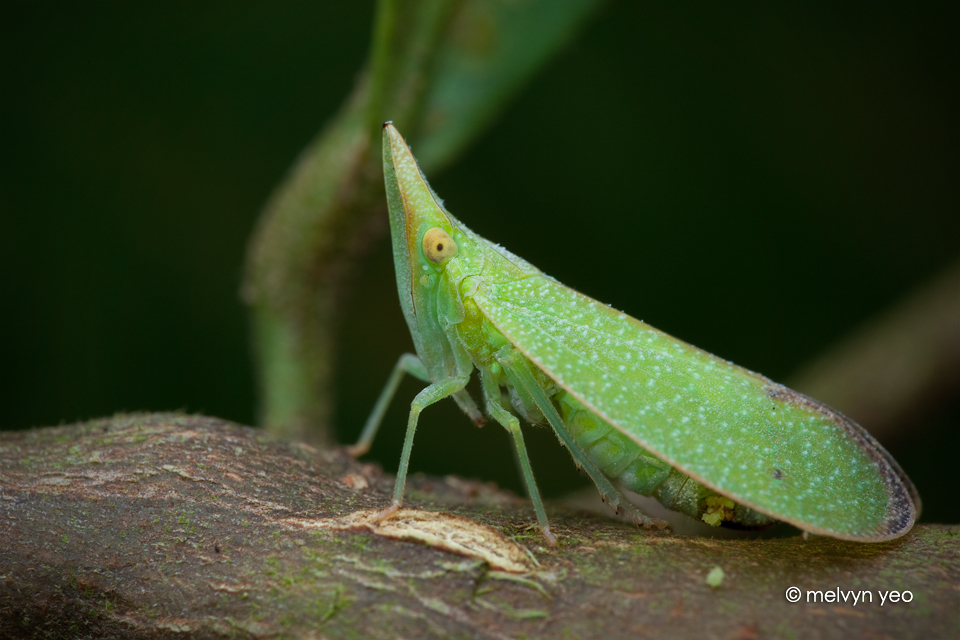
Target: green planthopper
{"points": [[638, 409]]}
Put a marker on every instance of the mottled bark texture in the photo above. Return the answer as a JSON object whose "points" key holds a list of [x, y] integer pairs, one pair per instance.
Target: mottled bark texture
{"points": [[174, 526]]}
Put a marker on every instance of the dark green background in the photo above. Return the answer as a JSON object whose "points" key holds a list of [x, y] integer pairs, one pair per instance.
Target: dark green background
{"points": [[755, 180]]}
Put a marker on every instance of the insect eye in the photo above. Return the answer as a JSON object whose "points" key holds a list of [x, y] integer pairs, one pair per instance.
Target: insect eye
{"points": [[438, 246]]}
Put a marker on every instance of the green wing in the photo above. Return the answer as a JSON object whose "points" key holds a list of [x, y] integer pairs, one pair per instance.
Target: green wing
{"points": [[745, 436]]}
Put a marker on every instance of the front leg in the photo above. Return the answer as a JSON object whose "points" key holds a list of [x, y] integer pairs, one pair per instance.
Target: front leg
{"points": [[433, 393], [408, 363]]}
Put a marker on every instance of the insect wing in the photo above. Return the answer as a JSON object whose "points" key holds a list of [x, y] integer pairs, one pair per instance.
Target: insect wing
{"points": [[753, 440]]}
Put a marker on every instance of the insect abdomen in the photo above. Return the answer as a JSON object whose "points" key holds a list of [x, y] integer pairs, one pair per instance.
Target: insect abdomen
{"points": [[615, 454], [621, 459]]}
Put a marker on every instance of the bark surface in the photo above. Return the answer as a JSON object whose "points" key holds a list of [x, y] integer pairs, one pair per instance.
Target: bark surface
{"points": [[174, 526]]}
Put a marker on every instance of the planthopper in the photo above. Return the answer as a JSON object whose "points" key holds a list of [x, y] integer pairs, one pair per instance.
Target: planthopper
{"points": [[637, 409]]}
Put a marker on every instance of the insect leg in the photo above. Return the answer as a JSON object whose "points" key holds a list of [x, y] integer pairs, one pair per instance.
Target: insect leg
{"points": [[408, 363], [469, 407], [491, 389], [520, 375], [431, 394]]}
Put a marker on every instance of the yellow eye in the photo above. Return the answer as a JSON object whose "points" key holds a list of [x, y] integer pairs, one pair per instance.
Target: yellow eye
{"points": [[438, 246]]}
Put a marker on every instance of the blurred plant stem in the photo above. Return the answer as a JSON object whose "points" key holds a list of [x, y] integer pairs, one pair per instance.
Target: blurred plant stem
{"points": [[440, 70], [897, 364]]}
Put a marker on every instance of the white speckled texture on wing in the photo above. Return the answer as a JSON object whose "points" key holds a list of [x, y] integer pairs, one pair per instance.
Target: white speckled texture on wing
{"points": [[751, 439]]}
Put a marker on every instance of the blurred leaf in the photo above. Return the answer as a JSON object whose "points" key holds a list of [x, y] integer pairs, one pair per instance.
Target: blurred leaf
{"points": [[488, 51]]}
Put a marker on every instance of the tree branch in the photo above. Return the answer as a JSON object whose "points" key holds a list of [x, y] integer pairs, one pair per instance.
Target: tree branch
{"points": [[165, 525]]}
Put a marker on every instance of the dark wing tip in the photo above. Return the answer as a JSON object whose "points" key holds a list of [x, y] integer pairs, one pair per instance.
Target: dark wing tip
{"points": [[903, 501]]}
